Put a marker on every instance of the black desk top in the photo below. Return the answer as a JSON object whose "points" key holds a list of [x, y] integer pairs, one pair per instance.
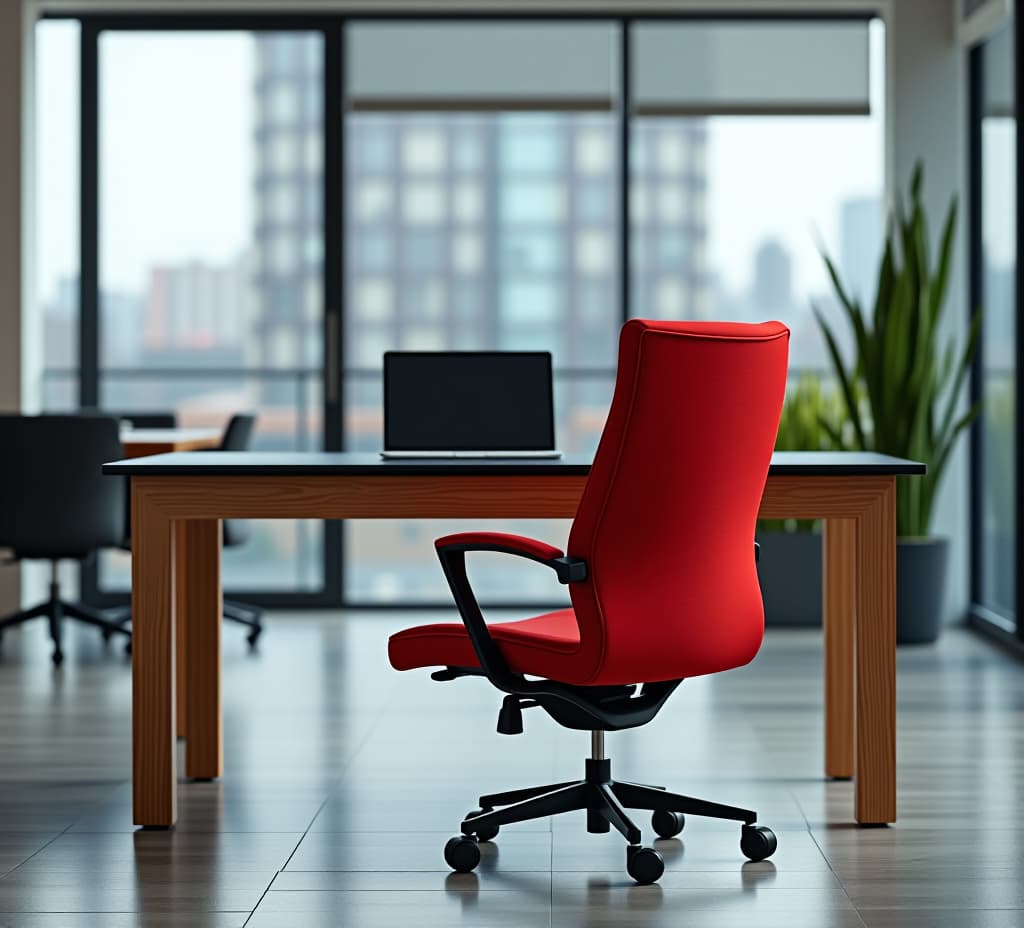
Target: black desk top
{"points": [[325, 464]]}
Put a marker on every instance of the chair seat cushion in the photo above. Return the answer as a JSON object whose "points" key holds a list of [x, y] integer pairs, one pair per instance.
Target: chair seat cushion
{"points": [[535, 646]]}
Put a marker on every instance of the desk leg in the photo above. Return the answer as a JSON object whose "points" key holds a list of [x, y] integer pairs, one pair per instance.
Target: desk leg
{"points": [[180, 648], [838, 613], [875, 656], [200, 612], [154, 792]]}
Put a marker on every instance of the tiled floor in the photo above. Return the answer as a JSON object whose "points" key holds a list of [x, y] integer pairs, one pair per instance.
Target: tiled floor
{"points": [[345, 778]]}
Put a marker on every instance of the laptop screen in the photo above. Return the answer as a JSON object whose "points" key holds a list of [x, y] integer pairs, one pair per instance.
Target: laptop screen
{"points": [[468, 401]]}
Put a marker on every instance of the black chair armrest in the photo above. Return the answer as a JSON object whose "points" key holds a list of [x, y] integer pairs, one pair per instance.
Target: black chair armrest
{"points": [[568, 569], [451, 551]]}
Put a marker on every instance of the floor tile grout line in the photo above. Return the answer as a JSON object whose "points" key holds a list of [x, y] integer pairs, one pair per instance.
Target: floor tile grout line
{"points": [[824, 856], [821, 850], [37, 851], [821, 806], [263, 895], [551, 872]]}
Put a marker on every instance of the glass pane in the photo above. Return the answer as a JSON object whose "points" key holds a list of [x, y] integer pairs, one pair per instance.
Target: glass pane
{"points": [[487, 231], [57, 128], [389, 561], [999, 252], [211, 252], [730, 214], [515, 248]]}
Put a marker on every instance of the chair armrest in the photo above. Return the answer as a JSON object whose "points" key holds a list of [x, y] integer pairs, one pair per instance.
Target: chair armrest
{"points": [[568, 569], [451, 551]]}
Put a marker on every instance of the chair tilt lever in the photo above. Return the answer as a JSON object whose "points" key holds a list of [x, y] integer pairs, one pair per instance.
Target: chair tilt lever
{"points": [[510, 716]]}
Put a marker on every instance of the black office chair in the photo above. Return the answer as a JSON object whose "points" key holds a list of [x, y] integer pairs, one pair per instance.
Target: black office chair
{"points": [[56, 505], [137, 419], [237, 437]]}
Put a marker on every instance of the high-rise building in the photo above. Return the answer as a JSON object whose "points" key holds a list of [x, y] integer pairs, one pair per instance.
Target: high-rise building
{"points": [[773, 278], [860, 225], [669, 226], [285, 328], [464, 230], [194, 308]]}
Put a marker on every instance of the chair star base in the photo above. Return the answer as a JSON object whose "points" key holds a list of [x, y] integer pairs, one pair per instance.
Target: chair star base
{"points": [[56, 610], [605, 801]]}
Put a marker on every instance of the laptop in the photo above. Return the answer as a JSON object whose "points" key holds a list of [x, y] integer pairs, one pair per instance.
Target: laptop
{"points": [[468, 404]]}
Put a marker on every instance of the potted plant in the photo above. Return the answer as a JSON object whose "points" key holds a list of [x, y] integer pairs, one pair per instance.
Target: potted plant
{"points": [[789, 567], [901, 392]]}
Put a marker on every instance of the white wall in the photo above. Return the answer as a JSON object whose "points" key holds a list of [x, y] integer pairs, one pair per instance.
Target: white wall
{"points": [[928, 121]]}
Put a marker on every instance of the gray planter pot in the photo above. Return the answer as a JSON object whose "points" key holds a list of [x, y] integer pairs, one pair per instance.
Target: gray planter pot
{"points": [[920, 585], [790, 575]]}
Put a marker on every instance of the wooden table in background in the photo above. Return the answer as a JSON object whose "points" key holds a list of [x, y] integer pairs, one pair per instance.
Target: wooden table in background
{"points": [[140, 443], [178, 501]]}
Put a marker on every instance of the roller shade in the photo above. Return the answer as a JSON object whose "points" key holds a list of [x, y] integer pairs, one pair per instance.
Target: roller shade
{"points": [[701, 68], [972, 6], [481, 66], [997, 64]]}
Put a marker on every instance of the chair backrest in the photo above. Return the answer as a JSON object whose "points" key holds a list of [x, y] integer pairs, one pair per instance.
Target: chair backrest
{"points": [[138, 419], [237, 437], [54, 501], [238, 433], [666, 521]]}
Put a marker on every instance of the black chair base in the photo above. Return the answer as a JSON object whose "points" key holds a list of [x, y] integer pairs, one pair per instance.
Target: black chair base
{"points": [[605, 801], [56, 610], [242, 613]]}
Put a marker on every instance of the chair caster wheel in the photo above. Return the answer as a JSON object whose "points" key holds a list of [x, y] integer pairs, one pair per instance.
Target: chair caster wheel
{"points": [[758, 842], [106, 633], [57, 658], [253, 637], [668, 824], [644, 864], [128, 648], [484, 834], [462, 854]]}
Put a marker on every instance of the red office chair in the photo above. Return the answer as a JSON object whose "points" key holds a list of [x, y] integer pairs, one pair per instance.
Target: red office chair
{"points": [[661, 571]]}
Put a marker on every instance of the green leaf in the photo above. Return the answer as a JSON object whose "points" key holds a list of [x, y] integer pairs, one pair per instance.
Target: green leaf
{"points": [[845, 380], [902, 392], [834, 435], [938, 290]]}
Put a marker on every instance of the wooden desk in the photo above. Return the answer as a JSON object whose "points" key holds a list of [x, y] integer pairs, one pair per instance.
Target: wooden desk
{"points": [[140, 443], [178, 501]]}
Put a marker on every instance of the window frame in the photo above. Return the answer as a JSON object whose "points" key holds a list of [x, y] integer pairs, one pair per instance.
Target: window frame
{"points": [[1005, 628], [332, 26]]}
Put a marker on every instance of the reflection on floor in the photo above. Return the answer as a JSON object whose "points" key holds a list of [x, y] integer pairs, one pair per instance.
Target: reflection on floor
{"points": [[344, 779]]}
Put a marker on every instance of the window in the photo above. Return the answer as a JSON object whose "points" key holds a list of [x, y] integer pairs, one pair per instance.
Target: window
{"points": [[731, 210], [481, 206], [57, 201], [504, 229], [207, 257], [995, 457]]}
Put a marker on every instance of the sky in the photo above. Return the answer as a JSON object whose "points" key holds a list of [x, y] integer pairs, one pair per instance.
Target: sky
{"points": [[999, 176]]}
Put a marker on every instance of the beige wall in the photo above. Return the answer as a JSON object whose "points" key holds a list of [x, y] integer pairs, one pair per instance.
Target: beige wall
{"points": [[12, 252]]}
